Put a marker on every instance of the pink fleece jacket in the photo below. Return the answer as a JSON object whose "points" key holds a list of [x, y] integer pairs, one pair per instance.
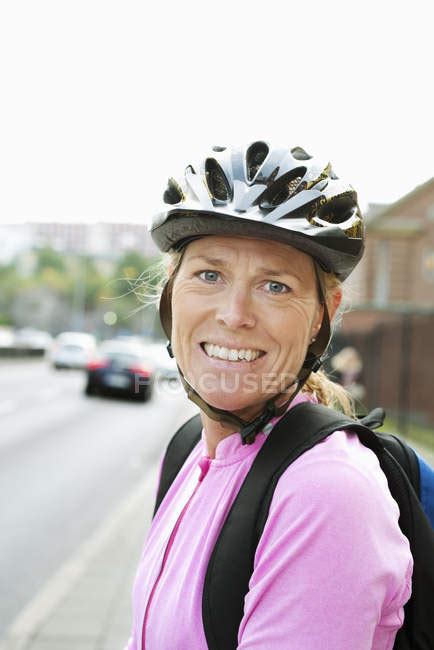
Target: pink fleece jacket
{"points": [[332, 569]]}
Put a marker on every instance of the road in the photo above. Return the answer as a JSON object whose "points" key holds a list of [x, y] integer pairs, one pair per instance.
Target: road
{"points": [[66, 461]]}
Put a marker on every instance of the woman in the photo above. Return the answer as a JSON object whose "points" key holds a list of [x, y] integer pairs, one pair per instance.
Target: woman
{"points": [[260, 239]]}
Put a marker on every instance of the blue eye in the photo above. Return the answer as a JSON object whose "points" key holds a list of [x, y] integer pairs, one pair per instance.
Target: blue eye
{"points": [[212, 277], [278, 285], [209, 273]]}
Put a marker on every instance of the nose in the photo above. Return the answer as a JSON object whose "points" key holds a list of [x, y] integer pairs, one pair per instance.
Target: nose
{"points": [[235, 309]]}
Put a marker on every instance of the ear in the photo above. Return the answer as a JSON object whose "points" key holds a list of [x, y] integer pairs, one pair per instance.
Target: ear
{"points": [[170, 268], [335, 301], [332, 306]]}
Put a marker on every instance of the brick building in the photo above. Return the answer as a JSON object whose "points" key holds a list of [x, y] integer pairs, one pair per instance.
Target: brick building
{"points": [[400, 251], [392, 324]]}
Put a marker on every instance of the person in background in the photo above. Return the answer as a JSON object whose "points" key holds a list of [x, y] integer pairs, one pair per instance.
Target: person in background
{"points": [[347, 368]]}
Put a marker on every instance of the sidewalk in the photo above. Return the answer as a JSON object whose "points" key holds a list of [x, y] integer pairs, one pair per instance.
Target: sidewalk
{"points": [[87, 604]]}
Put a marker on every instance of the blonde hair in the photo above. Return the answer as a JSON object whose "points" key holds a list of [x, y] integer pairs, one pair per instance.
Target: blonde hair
{"points": [[326, 391], [318, 384]]}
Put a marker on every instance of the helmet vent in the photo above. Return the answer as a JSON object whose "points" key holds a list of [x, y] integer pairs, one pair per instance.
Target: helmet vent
{"points": [[218, 149], [217, 182], [173, 193], [300, 154], [255, 156], [282, 189], [338, 209]]}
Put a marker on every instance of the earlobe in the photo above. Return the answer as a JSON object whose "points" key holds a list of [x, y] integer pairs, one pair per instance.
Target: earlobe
{"points": [[337, 299]]}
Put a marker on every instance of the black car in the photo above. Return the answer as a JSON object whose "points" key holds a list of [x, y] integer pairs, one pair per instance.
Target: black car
{"points": [[120, 368]]}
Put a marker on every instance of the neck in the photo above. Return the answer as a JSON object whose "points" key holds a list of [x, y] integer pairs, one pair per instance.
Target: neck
{"points": [[215, 431]]}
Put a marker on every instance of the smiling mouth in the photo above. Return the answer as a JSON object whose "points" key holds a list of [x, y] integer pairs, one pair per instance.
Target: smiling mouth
{"points": [[221, 353]]}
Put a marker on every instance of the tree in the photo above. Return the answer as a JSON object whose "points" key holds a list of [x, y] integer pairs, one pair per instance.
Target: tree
{"points": [[47, 257]]}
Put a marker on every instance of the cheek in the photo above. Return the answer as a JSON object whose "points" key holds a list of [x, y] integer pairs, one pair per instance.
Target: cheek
{"points": [[186, 316], [292, 332]]}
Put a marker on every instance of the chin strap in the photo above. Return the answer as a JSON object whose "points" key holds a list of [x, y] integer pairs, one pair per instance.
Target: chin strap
{"points": [[249, 430]]}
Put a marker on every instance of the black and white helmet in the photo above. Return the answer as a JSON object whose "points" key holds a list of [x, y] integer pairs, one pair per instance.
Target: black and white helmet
{"points": [[265, 191]]}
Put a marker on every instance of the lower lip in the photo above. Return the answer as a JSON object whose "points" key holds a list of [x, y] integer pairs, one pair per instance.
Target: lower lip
{"points": [[232, 365]]}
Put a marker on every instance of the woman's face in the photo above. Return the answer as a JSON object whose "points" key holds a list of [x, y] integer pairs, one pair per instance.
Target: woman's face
{"points": [[236, 294]]}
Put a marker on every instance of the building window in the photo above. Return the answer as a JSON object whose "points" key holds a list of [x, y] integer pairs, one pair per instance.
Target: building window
{"points": [[428, 264], [382, 273], [430, 212]]}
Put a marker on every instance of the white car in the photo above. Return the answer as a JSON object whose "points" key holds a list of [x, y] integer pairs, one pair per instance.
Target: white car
{"points": [[29, 338], [166, 367], [72, 350], [6, 337]]}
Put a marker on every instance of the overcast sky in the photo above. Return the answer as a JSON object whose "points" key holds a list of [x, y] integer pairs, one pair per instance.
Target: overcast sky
{"points": [[103, 100]]}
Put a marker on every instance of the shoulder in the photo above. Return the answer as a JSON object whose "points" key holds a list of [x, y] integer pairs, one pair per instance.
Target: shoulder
{"points": [[341, 476], [333, 513], [338, 488], [331, 543]]}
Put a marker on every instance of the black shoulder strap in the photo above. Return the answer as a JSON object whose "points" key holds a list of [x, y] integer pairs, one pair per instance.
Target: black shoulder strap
{"points": [[178, 450], [231, 563], [404, 454]]}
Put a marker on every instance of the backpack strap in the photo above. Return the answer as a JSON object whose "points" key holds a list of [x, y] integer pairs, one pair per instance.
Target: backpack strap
{"points": [[374, 418], [177, 452], [405, 455], [231, 563]]}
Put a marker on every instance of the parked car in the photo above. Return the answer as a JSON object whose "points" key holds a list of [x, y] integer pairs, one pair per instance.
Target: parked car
{"points": [[29, 338], [121, 367], [166, 367], [72, 350], [6, 337]]}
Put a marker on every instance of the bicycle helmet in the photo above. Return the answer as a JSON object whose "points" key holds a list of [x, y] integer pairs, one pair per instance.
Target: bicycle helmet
{"points": [[267, 192]]}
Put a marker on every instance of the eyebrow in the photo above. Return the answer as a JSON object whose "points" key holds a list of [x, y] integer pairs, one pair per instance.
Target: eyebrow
{"points": [[216, 261]]}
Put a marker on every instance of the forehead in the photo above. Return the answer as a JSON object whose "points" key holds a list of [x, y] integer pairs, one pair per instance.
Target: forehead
{"points": [[263, 251]]}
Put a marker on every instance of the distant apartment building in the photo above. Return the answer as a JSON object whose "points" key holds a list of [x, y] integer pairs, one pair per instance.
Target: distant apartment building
{"points": [[99, 239]]}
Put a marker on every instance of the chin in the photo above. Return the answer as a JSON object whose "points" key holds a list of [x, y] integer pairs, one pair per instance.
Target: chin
{"points": [[233, 403]]}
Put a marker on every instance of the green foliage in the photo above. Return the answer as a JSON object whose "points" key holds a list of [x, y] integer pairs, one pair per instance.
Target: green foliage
{"points": [[423, 435], [48, 258], [5, 319], [82, 284]]}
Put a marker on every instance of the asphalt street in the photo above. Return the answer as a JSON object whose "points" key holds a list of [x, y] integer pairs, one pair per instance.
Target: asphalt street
{"points": [[66, 461]]}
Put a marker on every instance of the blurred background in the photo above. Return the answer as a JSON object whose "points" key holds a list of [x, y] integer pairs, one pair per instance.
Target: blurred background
{"points": [[102, 102]]}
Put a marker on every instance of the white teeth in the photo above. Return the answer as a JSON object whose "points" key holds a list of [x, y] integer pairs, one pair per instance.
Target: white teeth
{"points": [[222, 353], [232, 354]]}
